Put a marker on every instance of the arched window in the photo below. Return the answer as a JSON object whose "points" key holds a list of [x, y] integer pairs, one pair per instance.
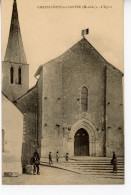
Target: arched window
{"points": [[84, 99], [19, 75], [11, 75]]}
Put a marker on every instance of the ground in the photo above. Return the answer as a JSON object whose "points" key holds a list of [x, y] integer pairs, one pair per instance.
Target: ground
{"points": [[54, 176]]}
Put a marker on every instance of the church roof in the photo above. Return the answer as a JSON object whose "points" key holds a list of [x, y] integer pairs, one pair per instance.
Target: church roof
{"points": [[81, 48], [30, 90], [15, 50]]}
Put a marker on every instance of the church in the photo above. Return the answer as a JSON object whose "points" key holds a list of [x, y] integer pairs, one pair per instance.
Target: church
{"points": [[76, 105]]}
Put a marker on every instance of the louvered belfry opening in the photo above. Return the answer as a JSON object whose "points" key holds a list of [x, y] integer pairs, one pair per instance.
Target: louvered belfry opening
{"points": [[19, 75], [11, 75]]}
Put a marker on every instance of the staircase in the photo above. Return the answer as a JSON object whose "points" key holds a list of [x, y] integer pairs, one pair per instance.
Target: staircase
{"points": [[95, 166]]}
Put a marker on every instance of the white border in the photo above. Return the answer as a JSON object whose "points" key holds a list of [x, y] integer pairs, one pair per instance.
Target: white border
{"points": [[99, 189]]}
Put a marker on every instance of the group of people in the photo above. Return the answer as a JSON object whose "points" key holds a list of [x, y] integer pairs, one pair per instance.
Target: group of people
{"points": [[57, 157], [35, 161]]}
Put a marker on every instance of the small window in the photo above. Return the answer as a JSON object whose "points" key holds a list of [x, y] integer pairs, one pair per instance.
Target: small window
{"points": [[11, 75], [84, 99], [19, 75]]}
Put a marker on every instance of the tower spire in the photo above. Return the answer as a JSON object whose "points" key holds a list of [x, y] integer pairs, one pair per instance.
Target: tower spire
{"points": [[15, 50], [15, 70]]}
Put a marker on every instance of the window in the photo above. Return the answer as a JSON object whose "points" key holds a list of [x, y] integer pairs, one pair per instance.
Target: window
{"points": [[11, 75], [19, 75], [84, 99], [3, 140]]}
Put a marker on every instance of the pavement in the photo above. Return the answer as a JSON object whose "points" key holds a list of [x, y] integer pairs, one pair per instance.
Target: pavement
{"points": [[55, 176]]}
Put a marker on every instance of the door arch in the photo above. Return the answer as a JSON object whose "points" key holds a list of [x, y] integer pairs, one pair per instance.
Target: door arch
{"points": [[92, 132], [81, 143]]}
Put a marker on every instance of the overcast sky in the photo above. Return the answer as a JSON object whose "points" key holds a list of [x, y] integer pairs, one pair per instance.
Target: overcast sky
{"points": [[47, 33]]}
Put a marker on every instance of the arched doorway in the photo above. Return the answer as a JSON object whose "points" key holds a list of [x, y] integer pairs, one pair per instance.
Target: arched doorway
{"points": [[81, 143]]}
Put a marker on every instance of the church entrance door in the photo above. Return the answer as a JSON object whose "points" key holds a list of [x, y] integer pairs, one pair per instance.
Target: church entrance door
{"points": [[81, 143]]}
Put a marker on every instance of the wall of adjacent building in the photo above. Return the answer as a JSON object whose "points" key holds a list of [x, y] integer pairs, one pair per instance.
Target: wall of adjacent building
{"points": [[28, 103], [12, 127]]}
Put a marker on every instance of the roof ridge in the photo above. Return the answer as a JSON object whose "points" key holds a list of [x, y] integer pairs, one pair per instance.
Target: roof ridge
{"points": [[83, 39], [104, 58], [26, 92]]}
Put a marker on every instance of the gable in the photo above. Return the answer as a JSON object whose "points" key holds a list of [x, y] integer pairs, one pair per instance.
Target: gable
{"points": [[82, 51]]}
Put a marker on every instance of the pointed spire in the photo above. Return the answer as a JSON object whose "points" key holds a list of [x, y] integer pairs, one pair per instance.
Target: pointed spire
{"points": [[15, 50]]}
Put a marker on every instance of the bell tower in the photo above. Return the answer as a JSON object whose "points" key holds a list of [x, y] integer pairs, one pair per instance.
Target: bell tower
{"points": [[15, 70]]}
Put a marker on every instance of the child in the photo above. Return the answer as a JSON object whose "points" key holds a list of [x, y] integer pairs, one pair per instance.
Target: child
{"points": [[57, 156], [50, 158], [67, 156]]}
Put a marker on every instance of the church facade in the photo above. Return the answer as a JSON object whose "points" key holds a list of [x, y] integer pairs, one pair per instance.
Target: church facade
{"points": [[76, 105], [81, 104]]}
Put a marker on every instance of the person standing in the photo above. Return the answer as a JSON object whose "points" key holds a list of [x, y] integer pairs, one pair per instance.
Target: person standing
{"points": [[114, 162], [67, 156], [115, 165], [36, 154], [57, 156], [50, 158], [113, 157], [35, 161]]}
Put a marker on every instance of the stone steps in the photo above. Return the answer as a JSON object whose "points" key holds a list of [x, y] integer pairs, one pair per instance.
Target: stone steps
{"points": [[91, 165], [89, 162], [96, 169], [95, 166]]}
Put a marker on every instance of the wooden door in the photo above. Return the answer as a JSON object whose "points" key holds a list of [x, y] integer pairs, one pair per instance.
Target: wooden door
{"points": [[81, 143]]}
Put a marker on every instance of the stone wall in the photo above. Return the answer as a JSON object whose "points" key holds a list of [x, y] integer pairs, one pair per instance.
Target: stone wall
{"points": [[52, 137], [82, 69], [60, 84], [28, 104], [114, 113], [63, 79], [40, 111]]}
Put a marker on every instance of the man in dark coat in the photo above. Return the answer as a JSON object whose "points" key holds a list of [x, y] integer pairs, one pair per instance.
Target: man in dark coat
{"points": [[114, 162], [35, 161], [36, 154], [113, 157], [115, 165]]}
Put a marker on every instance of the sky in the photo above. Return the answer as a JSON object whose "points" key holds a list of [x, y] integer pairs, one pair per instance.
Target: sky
{"points": [[47, 33]]}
